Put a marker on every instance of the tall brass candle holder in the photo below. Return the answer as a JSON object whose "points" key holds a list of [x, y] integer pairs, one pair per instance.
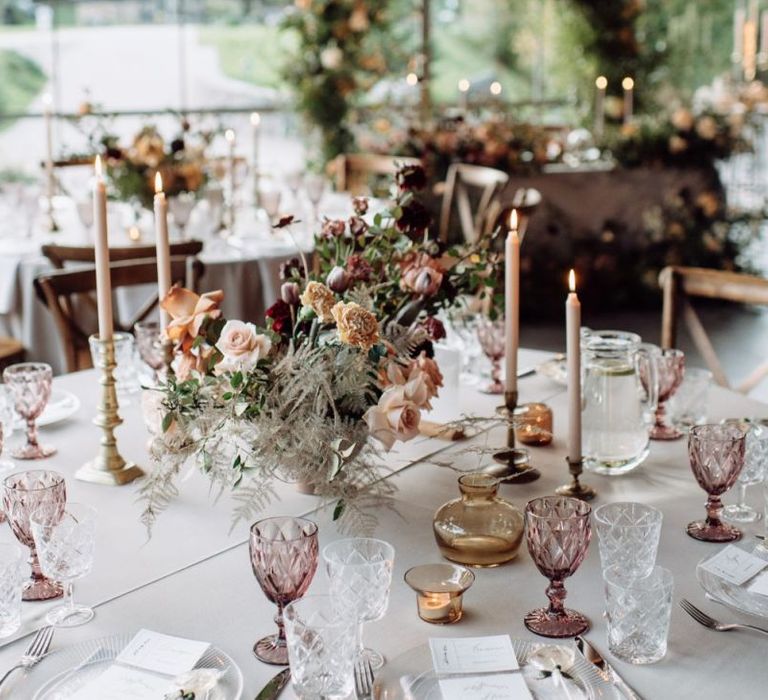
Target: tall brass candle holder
{"points": [[514, 460], [576, 489], [108, 467]]}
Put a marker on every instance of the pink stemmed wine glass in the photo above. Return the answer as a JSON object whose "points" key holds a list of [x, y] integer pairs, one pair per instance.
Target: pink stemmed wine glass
{"points": [[25, 493], [492, 341], [284, 560], [716, 453], [670, 370], [30, 387], [558, 533]]}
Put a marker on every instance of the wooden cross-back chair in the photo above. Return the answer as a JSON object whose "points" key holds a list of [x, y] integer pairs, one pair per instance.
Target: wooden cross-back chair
{"points": [[461, 179], [356, 172], [525, 202], [60, 289], [680, 283], [59, 255]]}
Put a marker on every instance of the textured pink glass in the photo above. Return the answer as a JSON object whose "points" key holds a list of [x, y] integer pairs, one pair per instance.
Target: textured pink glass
{"points": [[492, 341], [25, 493], [716, 453], [558, 533], [670, 370], [284, 560], [30, 387]]}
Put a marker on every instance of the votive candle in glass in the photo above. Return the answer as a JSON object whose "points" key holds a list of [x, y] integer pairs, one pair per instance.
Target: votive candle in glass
{"points": [[439, 591], [533, 424]]}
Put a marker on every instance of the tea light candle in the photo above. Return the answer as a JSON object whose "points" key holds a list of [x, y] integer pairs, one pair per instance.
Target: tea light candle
{"points": [[435, 607], [439, 591], [533, 424]]}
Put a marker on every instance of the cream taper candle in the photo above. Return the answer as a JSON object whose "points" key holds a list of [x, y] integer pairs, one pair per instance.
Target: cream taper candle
{"points": [[573, 354], [511, 302], [163, 246], [629, 102], [101, 251]]}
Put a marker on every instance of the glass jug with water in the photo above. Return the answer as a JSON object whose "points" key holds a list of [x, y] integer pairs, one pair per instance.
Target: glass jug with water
{"points": [[618, 401]]}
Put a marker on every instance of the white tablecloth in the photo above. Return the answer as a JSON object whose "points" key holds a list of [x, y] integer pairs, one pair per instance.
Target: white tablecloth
{"points": [[193, 578]]}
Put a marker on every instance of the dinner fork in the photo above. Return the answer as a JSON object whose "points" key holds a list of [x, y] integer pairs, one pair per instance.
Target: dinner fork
{"points": [[363, 678], [36, 650], [703, 619]]}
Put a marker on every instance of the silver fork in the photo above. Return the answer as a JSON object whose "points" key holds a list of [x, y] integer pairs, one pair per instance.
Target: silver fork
{"points": [[36, 650], [703, 619], [363, 678]]}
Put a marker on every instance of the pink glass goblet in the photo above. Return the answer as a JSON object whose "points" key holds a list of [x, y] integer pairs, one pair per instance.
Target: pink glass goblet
{"points": [[492, 338], [24, 494], [284, 560], [670, 370], [716, 453], [558, 533], [30, 387]]}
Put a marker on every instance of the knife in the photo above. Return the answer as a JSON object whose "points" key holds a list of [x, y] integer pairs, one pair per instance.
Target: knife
{"points": [[604, 668], [275, 686]]}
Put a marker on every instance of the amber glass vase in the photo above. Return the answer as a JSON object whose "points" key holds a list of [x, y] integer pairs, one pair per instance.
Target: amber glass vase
{"points": [[479, 528]]}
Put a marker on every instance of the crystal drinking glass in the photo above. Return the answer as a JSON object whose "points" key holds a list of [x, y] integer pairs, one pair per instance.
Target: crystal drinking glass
{"points": [[269, 199], [321, 640], [23, 494], [126, 376], [492, 341], [315, 187], [628, 536], [11, 584], [755, 462], [181, 207], [558, 533], [716, 453], [284, 559], [65, 543], [149, 343], [5, 464], [360, 574], [638, 609], [670, 370], [30, 387]]}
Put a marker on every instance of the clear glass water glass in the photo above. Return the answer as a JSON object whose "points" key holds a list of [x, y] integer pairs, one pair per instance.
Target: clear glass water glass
{"points": [[638, 610], [283, 553], [12, 575], [5, 464], [491, 335], [30, 386], [23, 493], [126, 376], [322, 647], [181, 206], [314, 184], [755, 463], [558, 533], [628, 536], [688, 406], [360, 574], [65, 544], [716, 453], [149, 343]]}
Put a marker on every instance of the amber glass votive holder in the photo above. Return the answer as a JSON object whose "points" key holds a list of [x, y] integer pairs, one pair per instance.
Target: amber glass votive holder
{"points": [[533, 424], [439, 591]]}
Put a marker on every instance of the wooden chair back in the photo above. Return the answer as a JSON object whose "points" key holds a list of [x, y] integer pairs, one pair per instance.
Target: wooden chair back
{"points": [[59, 290], [59, 255], [461, 179], [356, 173], [680, 283]]}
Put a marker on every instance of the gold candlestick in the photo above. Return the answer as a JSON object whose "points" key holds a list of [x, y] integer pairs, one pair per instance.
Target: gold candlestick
{"points": [[511, 457], [576, 489], [108, 467]]}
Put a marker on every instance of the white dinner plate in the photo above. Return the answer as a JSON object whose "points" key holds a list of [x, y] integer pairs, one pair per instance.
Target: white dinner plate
{"points": [[62, 673], [61, 405], [410, 676], [738, 597]]}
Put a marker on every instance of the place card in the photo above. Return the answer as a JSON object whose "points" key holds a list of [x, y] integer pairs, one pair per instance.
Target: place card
{"points": [[760, 584], [162, 653], [506, 686], [473, 654], [734, 565], [123, 683]]}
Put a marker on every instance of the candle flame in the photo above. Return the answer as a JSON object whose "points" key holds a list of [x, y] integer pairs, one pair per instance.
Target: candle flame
{"points": [[601, 83], [572, 281], [158, 182], [412, 79], [229, 134], [513, 221], [97, 166], [495, 88], [463, 85], [627, 83], [255, 119]]}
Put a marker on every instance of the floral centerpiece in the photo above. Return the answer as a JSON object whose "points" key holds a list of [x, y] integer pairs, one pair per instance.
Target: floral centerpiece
{"points": [[341, 368]]}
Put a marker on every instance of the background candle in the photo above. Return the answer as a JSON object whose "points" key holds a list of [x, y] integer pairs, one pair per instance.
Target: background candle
{"points": [[162, 246], [464, 94], [601, 83], [103, 279], [255, 134], [49, 176], [512, 302], [573, 351], [229, 134], [628, 85]]}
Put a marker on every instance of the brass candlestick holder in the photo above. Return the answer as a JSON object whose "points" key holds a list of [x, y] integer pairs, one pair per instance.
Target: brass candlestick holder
{"points": [[108, 467], [514, 460], [576, 489]]}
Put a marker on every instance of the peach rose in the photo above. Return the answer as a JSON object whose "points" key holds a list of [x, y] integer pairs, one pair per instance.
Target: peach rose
{"points": [[395, 417], [242, 346], [430, 372], [188, 311]]}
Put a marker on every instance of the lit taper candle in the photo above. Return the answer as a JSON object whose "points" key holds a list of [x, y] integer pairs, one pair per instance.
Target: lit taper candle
{"points": [[163, 246], [629, 99], [573, 354], [601, 83], [511, 303]]}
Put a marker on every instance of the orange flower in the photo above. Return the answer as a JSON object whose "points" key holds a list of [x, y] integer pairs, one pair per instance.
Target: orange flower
{"points": [[188, 311]]}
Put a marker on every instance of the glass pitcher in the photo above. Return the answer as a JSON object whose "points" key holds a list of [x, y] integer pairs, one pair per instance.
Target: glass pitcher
{"points": [[618, 401]]}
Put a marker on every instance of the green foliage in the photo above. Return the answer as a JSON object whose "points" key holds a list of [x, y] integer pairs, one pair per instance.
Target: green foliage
{"points": [[22, 81]]}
